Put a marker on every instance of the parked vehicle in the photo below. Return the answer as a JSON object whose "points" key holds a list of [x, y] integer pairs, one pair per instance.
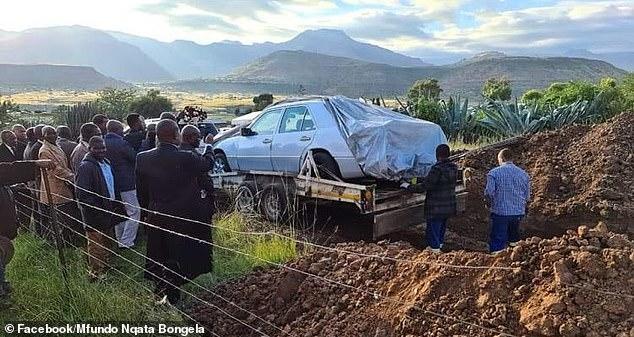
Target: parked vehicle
{"points": [[281, 136]]}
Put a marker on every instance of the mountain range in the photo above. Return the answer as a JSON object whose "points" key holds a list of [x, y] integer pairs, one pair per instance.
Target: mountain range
{"points": [[324, 74], [324, 60]]}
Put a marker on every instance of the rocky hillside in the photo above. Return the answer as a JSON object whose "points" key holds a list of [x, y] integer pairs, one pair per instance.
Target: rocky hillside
{"points": [[322, 74], [47, 76]]}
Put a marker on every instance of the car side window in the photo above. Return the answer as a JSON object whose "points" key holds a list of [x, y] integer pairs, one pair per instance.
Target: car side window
{"points": [[295, 119], [267, 123]]}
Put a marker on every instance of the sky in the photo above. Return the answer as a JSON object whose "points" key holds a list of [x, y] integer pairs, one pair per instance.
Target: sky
{"points": [[422, 28]]}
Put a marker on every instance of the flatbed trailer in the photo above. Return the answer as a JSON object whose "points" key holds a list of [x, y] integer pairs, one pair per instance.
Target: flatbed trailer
{"points": [[276, 195]]}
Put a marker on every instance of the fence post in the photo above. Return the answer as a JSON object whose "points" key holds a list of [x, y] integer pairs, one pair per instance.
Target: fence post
{"points": [[56, 229]]}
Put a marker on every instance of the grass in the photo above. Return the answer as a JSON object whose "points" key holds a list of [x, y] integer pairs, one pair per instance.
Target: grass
{"points": [[39, 292]]}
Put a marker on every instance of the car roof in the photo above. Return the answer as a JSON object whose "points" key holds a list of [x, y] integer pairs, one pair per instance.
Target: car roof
{"points": [[291, 100]]}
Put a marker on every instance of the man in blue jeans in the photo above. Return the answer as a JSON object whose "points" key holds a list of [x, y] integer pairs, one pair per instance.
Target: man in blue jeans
{"points": [[440, 197], [508, 190]]}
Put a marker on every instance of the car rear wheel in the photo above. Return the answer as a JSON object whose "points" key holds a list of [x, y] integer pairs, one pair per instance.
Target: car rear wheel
{"points": [[326, 165], [221, 164]]}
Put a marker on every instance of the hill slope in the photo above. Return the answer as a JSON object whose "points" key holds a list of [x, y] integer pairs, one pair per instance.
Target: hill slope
{"points": [[186, 59], [328, 75], [45, 76], [84, 46]]}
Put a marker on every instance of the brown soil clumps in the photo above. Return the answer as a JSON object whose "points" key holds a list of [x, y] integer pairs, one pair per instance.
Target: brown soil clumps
{"points": [[579, 174], [578, 284]]}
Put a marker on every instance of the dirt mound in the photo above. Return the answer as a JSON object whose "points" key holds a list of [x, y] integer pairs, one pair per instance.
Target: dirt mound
{"points": [[578, 284], [580, 174]]}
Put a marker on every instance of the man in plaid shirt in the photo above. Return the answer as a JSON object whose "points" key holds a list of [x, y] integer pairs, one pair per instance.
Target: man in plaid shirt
{"points": [[508, 189], [440, 199]]}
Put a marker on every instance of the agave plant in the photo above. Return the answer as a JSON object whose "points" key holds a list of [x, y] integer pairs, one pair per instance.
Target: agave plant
{"points": [[510, 119], [457, 119], [578, 112]]}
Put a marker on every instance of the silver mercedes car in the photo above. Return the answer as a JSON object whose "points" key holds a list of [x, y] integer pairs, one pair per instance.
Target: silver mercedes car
{"points": [[280, 138]]}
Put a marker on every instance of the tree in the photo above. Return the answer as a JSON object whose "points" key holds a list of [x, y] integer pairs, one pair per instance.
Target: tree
{"points": [[151, 105], [570, 92], [262, 101], [115, 102], [532, 96], [627, 90], [497, 89], [7, 107], [429, 89], [428, 109]]}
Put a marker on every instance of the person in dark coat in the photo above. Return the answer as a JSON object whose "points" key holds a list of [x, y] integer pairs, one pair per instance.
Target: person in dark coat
{"points": [[8, 151], [204, 208], [136, 133], [167, 182], [150, 139], [95, 175], [20, 134], [122, 158], [440, 197], [11, 173]]}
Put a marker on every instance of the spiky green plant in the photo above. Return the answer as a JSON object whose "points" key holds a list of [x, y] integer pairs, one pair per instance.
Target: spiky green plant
{"points": [[510, 119], [76, 115], [458, 121]]}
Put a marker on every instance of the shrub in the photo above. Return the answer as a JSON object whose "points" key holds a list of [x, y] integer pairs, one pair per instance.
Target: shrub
{"points": [[497, 89], [150, 105]]}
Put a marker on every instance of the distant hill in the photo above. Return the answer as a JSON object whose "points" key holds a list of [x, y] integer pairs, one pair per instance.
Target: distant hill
{"points": [[322, 74], [187, 60], [45, 76], [83, 46], [623, 60]]}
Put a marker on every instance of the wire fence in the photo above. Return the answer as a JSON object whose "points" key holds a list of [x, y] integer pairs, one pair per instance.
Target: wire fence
{"points": [[264, 327]]}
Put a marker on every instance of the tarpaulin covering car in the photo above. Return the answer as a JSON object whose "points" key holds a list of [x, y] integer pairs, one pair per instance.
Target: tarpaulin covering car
{"points": [[387, 145]]}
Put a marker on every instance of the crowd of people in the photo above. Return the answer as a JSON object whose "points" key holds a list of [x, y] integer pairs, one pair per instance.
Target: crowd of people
{"points": [[98, 186]]}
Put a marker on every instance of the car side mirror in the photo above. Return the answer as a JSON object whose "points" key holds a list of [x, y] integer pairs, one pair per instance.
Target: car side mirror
{"points": [[246, 132]]}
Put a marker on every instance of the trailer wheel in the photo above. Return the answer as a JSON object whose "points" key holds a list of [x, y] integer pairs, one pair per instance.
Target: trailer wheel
{"points": [[246, 199], [273, 203]]}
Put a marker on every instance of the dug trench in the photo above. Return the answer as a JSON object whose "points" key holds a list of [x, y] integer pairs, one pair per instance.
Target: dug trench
{"points": [[572, 275]]}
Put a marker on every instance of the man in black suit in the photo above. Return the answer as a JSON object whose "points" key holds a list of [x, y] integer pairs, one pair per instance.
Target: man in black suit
{"points": [[8, 152], [167, 182], [11, 173], [20, 133]]}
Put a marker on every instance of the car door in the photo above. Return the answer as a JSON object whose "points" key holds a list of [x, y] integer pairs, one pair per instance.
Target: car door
{"points": [[295, 133], [254, 152]]}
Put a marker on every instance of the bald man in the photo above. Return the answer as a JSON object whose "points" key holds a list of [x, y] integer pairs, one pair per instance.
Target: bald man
{"points": [[8, 152], [122, 158], [167, 182], [59, 181], [20, 134]]}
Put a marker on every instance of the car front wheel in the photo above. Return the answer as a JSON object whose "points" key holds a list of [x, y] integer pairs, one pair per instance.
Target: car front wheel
{"points": [[221, 164]]}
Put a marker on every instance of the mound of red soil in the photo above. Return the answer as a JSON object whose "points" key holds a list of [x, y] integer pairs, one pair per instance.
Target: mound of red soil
{"points": [[580, 175], [578, 284]]}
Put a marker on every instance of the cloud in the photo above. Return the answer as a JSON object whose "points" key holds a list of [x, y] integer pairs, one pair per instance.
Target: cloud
{"points": [[381, 25]]}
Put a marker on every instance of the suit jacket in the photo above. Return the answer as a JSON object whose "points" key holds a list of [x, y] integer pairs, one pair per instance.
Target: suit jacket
{"points": [[90, 177], [167, 182], [135, 138], [122, 156], [12, 173], [78, 154], [19, 150], [67, 146], [7, 156], [58, 186]]}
